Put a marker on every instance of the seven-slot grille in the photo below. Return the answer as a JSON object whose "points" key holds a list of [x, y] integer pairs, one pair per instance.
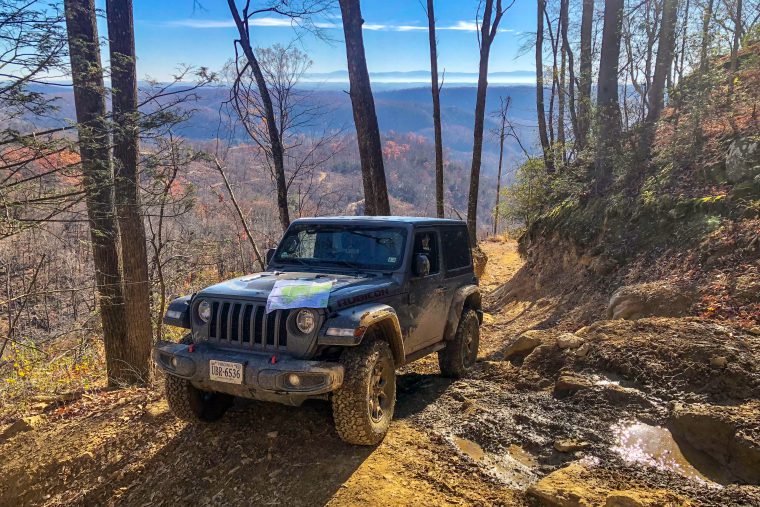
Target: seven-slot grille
{"points": [[247, 325]]}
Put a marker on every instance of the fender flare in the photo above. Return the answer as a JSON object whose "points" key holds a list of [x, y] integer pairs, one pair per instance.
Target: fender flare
{"points": [[469, 296], [178, 313], [380, 317]]}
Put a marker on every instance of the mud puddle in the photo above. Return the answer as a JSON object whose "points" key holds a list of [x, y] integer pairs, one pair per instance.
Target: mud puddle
{"points": [[515, 468], [654, 446]]}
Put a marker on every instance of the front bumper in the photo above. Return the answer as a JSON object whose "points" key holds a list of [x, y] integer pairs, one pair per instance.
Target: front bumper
{"points": [[265, 376]]}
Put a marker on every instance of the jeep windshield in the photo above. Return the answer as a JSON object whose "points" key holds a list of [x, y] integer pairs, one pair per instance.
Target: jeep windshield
{"points": [[349, 246]]}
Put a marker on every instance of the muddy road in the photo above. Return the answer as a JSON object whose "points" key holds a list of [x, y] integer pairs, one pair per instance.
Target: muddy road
{"points": [[617, 413]]}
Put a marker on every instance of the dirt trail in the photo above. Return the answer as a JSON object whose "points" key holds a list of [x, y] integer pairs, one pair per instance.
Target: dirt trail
{"points": [[481, 441]]}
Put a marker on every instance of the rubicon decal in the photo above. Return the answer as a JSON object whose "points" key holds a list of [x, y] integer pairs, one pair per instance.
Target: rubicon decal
{"points": [[363, 297]]}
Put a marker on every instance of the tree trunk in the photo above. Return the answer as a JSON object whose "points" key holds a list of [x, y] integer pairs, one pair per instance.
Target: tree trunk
{"points": [[367, 130], [567, 50], [705, 43], [561, 105], [502, 135], [90, 104], [436, 111], [480, 108], [542, 132], [737, 18], [275, 143], [664, 60], [125, 150], [608, 107], [584, 84]]}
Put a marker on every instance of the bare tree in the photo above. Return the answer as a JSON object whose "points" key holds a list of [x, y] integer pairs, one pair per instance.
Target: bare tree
{"points": [[89, 100], [736, 15], [283, 67], [664, 59], [275, 143], [584, 83], [542, 129], [489, 27], [608, 114], [134, 255], [568, 52], [705, 42], [501, 134], [436, 90], [367, 130]]}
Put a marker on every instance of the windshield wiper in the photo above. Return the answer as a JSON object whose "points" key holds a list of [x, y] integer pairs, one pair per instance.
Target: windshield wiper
{"points": [[348, 264]]}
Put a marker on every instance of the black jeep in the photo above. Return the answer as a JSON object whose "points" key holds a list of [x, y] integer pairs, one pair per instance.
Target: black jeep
{"points": [[343, 303]]}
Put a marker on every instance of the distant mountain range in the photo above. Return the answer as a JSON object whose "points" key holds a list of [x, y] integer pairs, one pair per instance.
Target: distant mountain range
{"points": [[423, 76], [399, 110]]}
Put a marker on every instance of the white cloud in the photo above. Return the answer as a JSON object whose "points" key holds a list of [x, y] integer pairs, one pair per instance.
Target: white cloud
{"points": [[469, 26], [220, 23]]}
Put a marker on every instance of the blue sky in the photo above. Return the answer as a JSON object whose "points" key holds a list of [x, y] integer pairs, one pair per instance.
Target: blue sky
{"points": [[171, 32]]}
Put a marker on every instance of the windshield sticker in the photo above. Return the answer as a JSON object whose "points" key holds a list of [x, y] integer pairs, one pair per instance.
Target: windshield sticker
{"points": [[288, 294]]}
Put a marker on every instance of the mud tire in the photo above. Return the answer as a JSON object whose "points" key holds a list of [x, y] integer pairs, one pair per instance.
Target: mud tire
{"points": [[192, 404], [460, 354], [352, 403]]}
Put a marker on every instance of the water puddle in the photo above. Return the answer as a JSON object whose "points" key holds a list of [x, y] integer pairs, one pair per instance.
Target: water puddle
{"points": [[470, 448], [515, 469], [654, 446]]}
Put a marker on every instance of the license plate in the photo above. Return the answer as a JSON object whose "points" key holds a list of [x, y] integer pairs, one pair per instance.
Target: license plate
{"points": [[223, 371]]}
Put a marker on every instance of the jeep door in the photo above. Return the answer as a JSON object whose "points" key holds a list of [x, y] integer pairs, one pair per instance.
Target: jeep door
{"points": [[457, 260], [427, 304]]}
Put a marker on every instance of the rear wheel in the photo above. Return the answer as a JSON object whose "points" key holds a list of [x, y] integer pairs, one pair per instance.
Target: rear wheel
{"points": [[363, 406], [460, 354], [191, 404]]}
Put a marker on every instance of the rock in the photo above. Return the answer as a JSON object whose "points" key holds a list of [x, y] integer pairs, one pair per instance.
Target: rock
{"points": [[743, 160], [479, 261], [755, 330], [21, 426], [645, 498], [569, 486], [577, 486], [747, 288], [727, 434], [569, 341], [525, 343], [570, 445], [583, 350], [656, 299], [568, 383], [718, 361]]}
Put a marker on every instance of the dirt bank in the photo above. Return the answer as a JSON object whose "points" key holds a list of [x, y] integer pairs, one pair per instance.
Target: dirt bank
{"points": [[562, 422]]}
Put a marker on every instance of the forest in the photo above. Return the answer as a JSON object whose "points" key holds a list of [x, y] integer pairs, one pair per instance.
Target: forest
{"points": [[613, 212]]}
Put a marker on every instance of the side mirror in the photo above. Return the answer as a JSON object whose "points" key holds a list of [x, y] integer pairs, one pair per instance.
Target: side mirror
{"points": [[270, 254], [421, 265]]}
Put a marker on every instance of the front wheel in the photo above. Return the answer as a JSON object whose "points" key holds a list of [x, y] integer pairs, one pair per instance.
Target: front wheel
{"points": [[459, 355], [191, 404], [363, 406]]}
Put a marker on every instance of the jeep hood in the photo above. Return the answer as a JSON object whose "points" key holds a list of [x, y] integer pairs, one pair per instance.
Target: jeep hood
{"points": [[346, 288]]}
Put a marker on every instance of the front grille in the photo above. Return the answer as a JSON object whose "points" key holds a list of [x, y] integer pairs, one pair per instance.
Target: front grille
{"points": [[247, 325]]}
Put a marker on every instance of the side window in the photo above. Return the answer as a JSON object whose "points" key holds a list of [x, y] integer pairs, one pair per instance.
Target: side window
{"points": [[426, 243], [456, 247]]}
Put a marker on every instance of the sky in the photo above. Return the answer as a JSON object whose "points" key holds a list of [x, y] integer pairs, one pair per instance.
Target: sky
{"points": [[172, 32]]}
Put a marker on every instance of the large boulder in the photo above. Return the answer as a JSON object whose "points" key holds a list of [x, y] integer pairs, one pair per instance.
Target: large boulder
{"points": [[727, 434], [526, 342], [579, 486], [743, 160], [655, 299]]}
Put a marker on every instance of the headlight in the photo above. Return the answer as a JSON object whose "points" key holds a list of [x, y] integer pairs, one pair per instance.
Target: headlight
{"points": [[204, 311], [306, 321]]}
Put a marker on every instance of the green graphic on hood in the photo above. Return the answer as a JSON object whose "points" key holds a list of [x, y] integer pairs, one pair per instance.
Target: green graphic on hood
{"points": [[299, 294]]}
